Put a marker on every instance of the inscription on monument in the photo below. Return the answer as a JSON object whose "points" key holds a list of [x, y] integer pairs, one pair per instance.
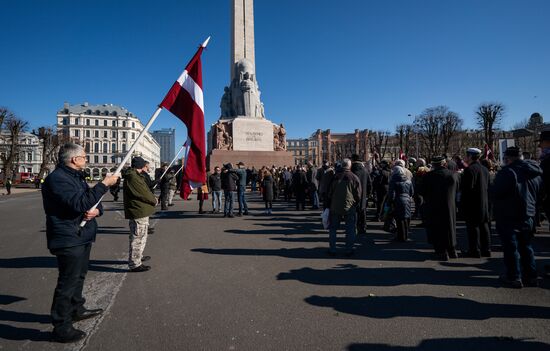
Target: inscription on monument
{"points": [[252, 135]]}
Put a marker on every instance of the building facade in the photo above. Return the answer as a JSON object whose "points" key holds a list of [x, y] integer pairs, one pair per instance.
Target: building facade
{"points": [[166, 138], [30, 153], [106, 131]]}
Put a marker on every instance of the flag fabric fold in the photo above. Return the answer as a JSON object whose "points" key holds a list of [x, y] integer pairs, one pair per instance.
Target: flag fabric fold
{"points": [[185, 101]]}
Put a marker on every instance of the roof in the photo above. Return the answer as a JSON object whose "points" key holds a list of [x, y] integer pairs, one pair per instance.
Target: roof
{"points": [[85, 108]]}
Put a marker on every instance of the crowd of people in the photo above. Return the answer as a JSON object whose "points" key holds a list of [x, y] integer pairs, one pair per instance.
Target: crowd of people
{"points": [[516, 197]]}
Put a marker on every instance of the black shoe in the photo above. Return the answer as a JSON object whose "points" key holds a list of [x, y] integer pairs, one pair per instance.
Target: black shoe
{"points": [[472, 254], [224, 215], [145, 258], [87, 314], [141, 268], [350, 253], [213, 212], [512, 283], [239, 214], [486, 254], [331, 253], [245, 213], [531, 282], [170, 205], [441, 256], [202, 212], [230, 215], [72, 335], [453, 254], [151, 231]]}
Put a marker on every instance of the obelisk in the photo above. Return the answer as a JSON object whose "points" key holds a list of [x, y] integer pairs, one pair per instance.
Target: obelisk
{"points": [[242, 33]]}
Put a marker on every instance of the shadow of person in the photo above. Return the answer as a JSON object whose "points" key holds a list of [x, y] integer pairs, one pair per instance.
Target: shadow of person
{"points": [[427, 307], [489, 343], [24, 317], [51, 262], [8, 299], [13, 333]]}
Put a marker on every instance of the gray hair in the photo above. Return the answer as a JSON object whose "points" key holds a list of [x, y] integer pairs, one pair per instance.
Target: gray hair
{"points": [[346, 163], [68, 151]]}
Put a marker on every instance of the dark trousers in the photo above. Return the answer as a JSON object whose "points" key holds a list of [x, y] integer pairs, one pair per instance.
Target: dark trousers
{"points": [[228, 202], [300, 200], [72, 264], [479, 237], [519, 257], [380, 199], [361, 220], [164, 199], [403, 228], [243, 207]]}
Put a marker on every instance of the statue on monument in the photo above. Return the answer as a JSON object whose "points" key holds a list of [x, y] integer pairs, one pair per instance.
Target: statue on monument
{"points": [[223, 139], [279, 137], [225, 104], [242, 99]]}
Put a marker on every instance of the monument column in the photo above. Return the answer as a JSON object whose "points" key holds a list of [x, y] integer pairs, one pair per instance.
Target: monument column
{"points": [[242, 33]]}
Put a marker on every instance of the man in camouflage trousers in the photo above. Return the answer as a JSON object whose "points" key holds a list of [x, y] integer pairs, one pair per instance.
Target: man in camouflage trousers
{"points": [[139, 204]]}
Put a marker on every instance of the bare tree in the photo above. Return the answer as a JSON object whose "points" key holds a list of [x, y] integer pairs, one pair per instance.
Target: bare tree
{"points": [[15, 127], [489, 116], [450, 124], [5, 114], [51, 141], [404, 132], [378, 141]]}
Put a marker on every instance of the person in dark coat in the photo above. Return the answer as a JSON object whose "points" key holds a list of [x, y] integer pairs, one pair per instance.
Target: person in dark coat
{"points": [[268, 185], [399, 196], [474, 201], [439, 191], [381, 184], [544, 144], [313, 183], [229, 186], [68, 201], [358, 168], [300, 186], [517, 189]]}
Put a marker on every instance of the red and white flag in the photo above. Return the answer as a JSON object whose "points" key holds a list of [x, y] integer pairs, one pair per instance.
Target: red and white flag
{"points": [[185, 100]]}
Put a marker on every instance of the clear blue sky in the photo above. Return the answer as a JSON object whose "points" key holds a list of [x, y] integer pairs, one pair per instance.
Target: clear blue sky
{"points": [[320, 64]]}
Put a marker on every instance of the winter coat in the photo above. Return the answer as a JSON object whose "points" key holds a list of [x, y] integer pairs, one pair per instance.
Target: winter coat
{"points": [[400, 193], [358, 168], [545, 165], [66, 197], [381, 182], [439, 190], [299, 182], [311, 177], [344, 193], [229, 179], [215, 182], [325, 180], [268, 185], [516, 191], [139, 201], [474, 199]]}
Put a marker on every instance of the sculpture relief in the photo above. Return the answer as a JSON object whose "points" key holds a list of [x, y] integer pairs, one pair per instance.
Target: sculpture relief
{"points": [[225, 104], [223, 140], [279, 137]]}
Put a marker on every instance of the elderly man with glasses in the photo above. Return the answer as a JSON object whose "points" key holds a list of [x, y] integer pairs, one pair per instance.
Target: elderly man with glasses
{"points": [[67, 202]]}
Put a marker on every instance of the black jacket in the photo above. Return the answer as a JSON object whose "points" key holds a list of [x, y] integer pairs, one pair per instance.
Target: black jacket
{"points": [[66, 197], [361, 172], [474, 200], [516, 191], [229, 180], [215, 182]]}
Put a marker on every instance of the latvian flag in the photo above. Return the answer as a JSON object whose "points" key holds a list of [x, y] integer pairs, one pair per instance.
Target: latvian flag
{"points": [[488, 153], [185, 100]]}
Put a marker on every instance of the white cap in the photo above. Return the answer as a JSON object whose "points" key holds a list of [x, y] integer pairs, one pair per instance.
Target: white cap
{"points": [[474, 151]]}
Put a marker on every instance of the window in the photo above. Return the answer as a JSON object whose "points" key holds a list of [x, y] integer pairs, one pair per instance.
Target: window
{"points": [[96, 159], [133, 135], [77, 133], [96, 147], [105, 134], [105, 147], [124, 135], [114, 123], [96, 133], [87, 148], [114, 134], [87, 133], [123, 147], [105, 123], [133, 124], [87, 121], [104, 159], [124, 123], [88, 158], [65, 121], [29, 156], [113, 147], [76, 121], [96, 122]]}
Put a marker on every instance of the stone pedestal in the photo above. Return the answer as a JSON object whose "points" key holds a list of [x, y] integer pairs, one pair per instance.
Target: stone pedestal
{"points": [[252, 134], [250, 158]]}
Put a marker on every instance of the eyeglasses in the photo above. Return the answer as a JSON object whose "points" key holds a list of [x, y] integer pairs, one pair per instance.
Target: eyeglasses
{"points": [[83, 156]]}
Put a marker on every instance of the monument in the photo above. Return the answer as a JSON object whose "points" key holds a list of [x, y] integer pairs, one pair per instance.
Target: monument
{"points": [[242, 132]]}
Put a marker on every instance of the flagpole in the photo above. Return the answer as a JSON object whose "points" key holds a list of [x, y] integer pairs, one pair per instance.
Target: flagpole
{"points": [[129, 154], [179, 170], [170, 165]]}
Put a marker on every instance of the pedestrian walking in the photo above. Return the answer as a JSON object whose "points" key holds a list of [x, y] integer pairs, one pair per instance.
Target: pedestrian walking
{"points": [[215, 184], [359, 169], [229, 185], [300, 185], [400, 192], [381, 185], [313, 183], [139, 204], [8, 186], [268, 185], [439, 192], [241, 189], [67, 201], [517, 188], [474, 202], [343, 197]]}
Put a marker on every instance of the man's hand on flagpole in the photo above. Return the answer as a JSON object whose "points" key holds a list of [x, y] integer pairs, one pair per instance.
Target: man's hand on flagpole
{"points": [[89, 215], [110, 179]]}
